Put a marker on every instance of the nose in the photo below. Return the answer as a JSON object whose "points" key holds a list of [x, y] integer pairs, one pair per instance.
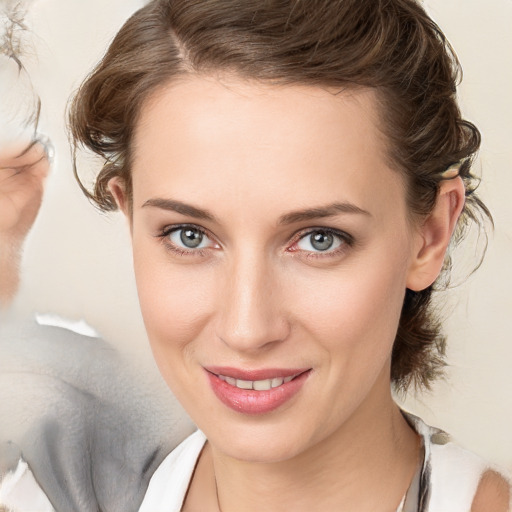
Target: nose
{"points": [[251, 314]]}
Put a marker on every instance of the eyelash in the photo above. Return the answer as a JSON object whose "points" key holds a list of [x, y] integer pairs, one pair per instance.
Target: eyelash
{"points": [[181, 251], [346, 240]]}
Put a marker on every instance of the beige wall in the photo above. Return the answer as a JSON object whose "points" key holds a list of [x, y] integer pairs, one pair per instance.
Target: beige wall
{"points": [[77, 261]]}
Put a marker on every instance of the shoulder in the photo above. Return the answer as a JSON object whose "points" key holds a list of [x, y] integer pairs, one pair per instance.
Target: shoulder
{"points": [[480, 484], [493, 493], [455, 478]]}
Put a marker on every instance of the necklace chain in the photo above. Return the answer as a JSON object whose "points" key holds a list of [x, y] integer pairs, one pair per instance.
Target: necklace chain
{"points": [[217, 493]]}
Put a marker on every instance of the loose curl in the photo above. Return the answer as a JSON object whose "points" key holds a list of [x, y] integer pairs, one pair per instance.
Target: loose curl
{"points": [[391, 46]]}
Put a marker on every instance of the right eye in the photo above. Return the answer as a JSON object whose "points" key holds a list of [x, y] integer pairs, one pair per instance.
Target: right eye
{"points": [[322, 241], [187, 239]]}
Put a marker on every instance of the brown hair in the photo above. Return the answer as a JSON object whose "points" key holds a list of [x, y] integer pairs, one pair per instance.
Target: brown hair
{"points": [[389, 45]]}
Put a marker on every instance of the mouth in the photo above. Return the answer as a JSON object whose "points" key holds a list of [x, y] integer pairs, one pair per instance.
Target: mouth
{"points": [[256, 391], [257, 385]]}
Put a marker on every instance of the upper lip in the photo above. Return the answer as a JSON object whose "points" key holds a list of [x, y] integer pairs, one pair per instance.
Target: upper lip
{"points": [[255, 374]]}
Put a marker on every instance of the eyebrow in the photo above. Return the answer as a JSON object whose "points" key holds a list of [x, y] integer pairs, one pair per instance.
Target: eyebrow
{"points": [[179, 207], [330, 210], [320, 212]]}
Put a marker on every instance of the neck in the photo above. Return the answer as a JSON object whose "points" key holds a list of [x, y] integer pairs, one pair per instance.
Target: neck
{"points": [[366, 465]]}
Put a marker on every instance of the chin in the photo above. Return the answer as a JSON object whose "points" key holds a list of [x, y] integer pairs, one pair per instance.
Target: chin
{"points": [[267, 440], [262, 450]]}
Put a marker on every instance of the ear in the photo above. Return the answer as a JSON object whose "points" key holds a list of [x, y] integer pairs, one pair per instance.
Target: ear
{"points": [[433, 236], [117, 187]]}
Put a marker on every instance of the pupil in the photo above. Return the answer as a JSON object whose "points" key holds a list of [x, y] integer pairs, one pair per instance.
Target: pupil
{"points": [[321, 241], [191, 238]]}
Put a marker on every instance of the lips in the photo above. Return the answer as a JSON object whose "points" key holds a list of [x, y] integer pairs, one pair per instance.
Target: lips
{"points": [[255, 391]]}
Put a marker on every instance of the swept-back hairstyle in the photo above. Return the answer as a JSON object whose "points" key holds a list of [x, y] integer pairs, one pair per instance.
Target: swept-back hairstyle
{"points": [[391, 46]]}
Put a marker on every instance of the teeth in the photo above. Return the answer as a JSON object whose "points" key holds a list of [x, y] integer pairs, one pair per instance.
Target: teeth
{"points": [[258, 385], [244, 384], [262, 385], [277, 381], [230, 380]]}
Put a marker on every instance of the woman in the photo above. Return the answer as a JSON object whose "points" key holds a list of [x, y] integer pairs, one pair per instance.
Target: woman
{"points": [[292, 174]]}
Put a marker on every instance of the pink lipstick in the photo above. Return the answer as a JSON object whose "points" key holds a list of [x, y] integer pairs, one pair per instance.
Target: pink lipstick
{"points": [[256, 391]]}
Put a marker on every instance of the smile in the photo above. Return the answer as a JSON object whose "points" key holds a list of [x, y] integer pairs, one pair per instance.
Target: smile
{"points": [[257, 391], [257, 385]]}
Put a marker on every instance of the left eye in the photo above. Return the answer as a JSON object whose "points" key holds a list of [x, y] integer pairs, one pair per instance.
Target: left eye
{"points": [[189, 238], [320, 241]]}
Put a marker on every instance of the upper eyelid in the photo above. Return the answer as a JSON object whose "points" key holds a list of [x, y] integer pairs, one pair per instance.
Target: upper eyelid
{"points": [[176, 227], [307, 231]]}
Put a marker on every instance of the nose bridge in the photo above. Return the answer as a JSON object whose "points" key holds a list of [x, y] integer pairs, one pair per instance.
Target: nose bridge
{"points": [[250, 315]]}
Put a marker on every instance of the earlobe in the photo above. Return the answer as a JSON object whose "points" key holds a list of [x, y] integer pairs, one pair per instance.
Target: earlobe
{"points": [[117, 188], [433, 236]]}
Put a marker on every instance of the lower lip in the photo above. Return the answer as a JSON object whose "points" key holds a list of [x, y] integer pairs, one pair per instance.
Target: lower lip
{"points": [[249, 401]]}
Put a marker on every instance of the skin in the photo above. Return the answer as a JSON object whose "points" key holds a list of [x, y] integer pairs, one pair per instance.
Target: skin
{"points": [[257, 294], [493, 494], [23, 169]]}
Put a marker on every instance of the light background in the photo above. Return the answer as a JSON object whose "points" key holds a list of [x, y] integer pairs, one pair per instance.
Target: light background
{"points": [[77, 261]]}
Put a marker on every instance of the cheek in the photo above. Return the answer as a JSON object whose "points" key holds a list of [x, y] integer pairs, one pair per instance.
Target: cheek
{"points": [[354, 311], [175, 300], [352, 317]]}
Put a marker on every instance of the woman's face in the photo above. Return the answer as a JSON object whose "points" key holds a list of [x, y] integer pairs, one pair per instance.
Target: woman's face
{"points": [[271, 242]]}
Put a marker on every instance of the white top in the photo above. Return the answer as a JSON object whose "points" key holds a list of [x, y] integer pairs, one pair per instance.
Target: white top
{"points": [[177, 468], [445, 482], [449, 475]]}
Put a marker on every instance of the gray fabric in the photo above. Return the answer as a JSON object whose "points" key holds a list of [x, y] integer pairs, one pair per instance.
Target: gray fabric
{"points": [[91, 427]]}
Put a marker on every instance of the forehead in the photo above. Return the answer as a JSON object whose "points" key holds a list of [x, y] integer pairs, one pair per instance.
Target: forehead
{"points": [[205, 137]]}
